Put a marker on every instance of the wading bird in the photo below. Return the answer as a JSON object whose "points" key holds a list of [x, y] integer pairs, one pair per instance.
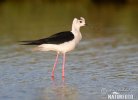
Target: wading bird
{"points": [[61, 42]]}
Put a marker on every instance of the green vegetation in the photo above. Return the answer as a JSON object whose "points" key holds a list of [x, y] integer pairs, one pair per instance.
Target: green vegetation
{"points": [[45, 17]]}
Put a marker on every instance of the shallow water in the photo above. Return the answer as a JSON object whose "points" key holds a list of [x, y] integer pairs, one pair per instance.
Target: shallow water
{"points": [[105, 61]]}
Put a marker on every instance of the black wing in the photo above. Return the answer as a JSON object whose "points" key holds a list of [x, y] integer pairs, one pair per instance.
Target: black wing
{"points": [[58, 38]]}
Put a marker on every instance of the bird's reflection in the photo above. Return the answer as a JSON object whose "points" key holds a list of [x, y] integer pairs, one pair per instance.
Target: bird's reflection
{"points": [[59, 91], [54, 82]]}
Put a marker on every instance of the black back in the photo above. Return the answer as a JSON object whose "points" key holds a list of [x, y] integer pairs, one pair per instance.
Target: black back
{"points": [[58, 38]]}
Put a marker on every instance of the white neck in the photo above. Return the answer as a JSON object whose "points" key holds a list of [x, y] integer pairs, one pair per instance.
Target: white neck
{"points": [[75, 29]]}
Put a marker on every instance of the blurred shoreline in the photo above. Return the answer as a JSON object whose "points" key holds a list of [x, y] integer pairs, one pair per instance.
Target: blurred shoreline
{"points": [[93, 1], [39, 18]]}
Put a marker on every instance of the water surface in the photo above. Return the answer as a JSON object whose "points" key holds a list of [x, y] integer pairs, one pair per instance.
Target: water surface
{"points": [[105, 60]]}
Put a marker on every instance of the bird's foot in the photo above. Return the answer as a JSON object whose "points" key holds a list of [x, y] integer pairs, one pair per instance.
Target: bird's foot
{"points": [[52, 74], [63, 77], [52, 77]]}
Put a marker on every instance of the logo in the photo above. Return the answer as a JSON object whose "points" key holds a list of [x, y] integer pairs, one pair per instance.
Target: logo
{"points": [[117, 94]]}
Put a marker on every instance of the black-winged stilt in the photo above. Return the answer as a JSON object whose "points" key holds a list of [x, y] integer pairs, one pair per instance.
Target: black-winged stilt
{"points": [[61, 42]]}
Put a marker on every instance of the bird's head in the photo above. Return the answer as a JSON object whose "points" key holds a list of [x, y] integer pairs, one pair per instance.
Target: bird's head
{"points": [[79, 22]]}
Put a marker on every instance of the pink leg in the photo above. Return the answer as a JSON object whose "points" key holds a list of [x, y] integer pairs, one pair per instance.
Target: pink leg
{"points": [[63, 65], [56, 60]]}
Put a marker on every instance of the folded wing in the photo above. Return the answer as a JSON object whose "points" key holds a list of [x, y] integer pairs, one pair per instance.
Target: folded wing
{"points": [[58, 38]]}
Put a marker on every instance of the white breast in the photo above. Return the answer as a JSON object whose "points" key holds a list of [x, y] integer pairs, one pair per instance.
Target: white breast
{"points": [[63, 48]]}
